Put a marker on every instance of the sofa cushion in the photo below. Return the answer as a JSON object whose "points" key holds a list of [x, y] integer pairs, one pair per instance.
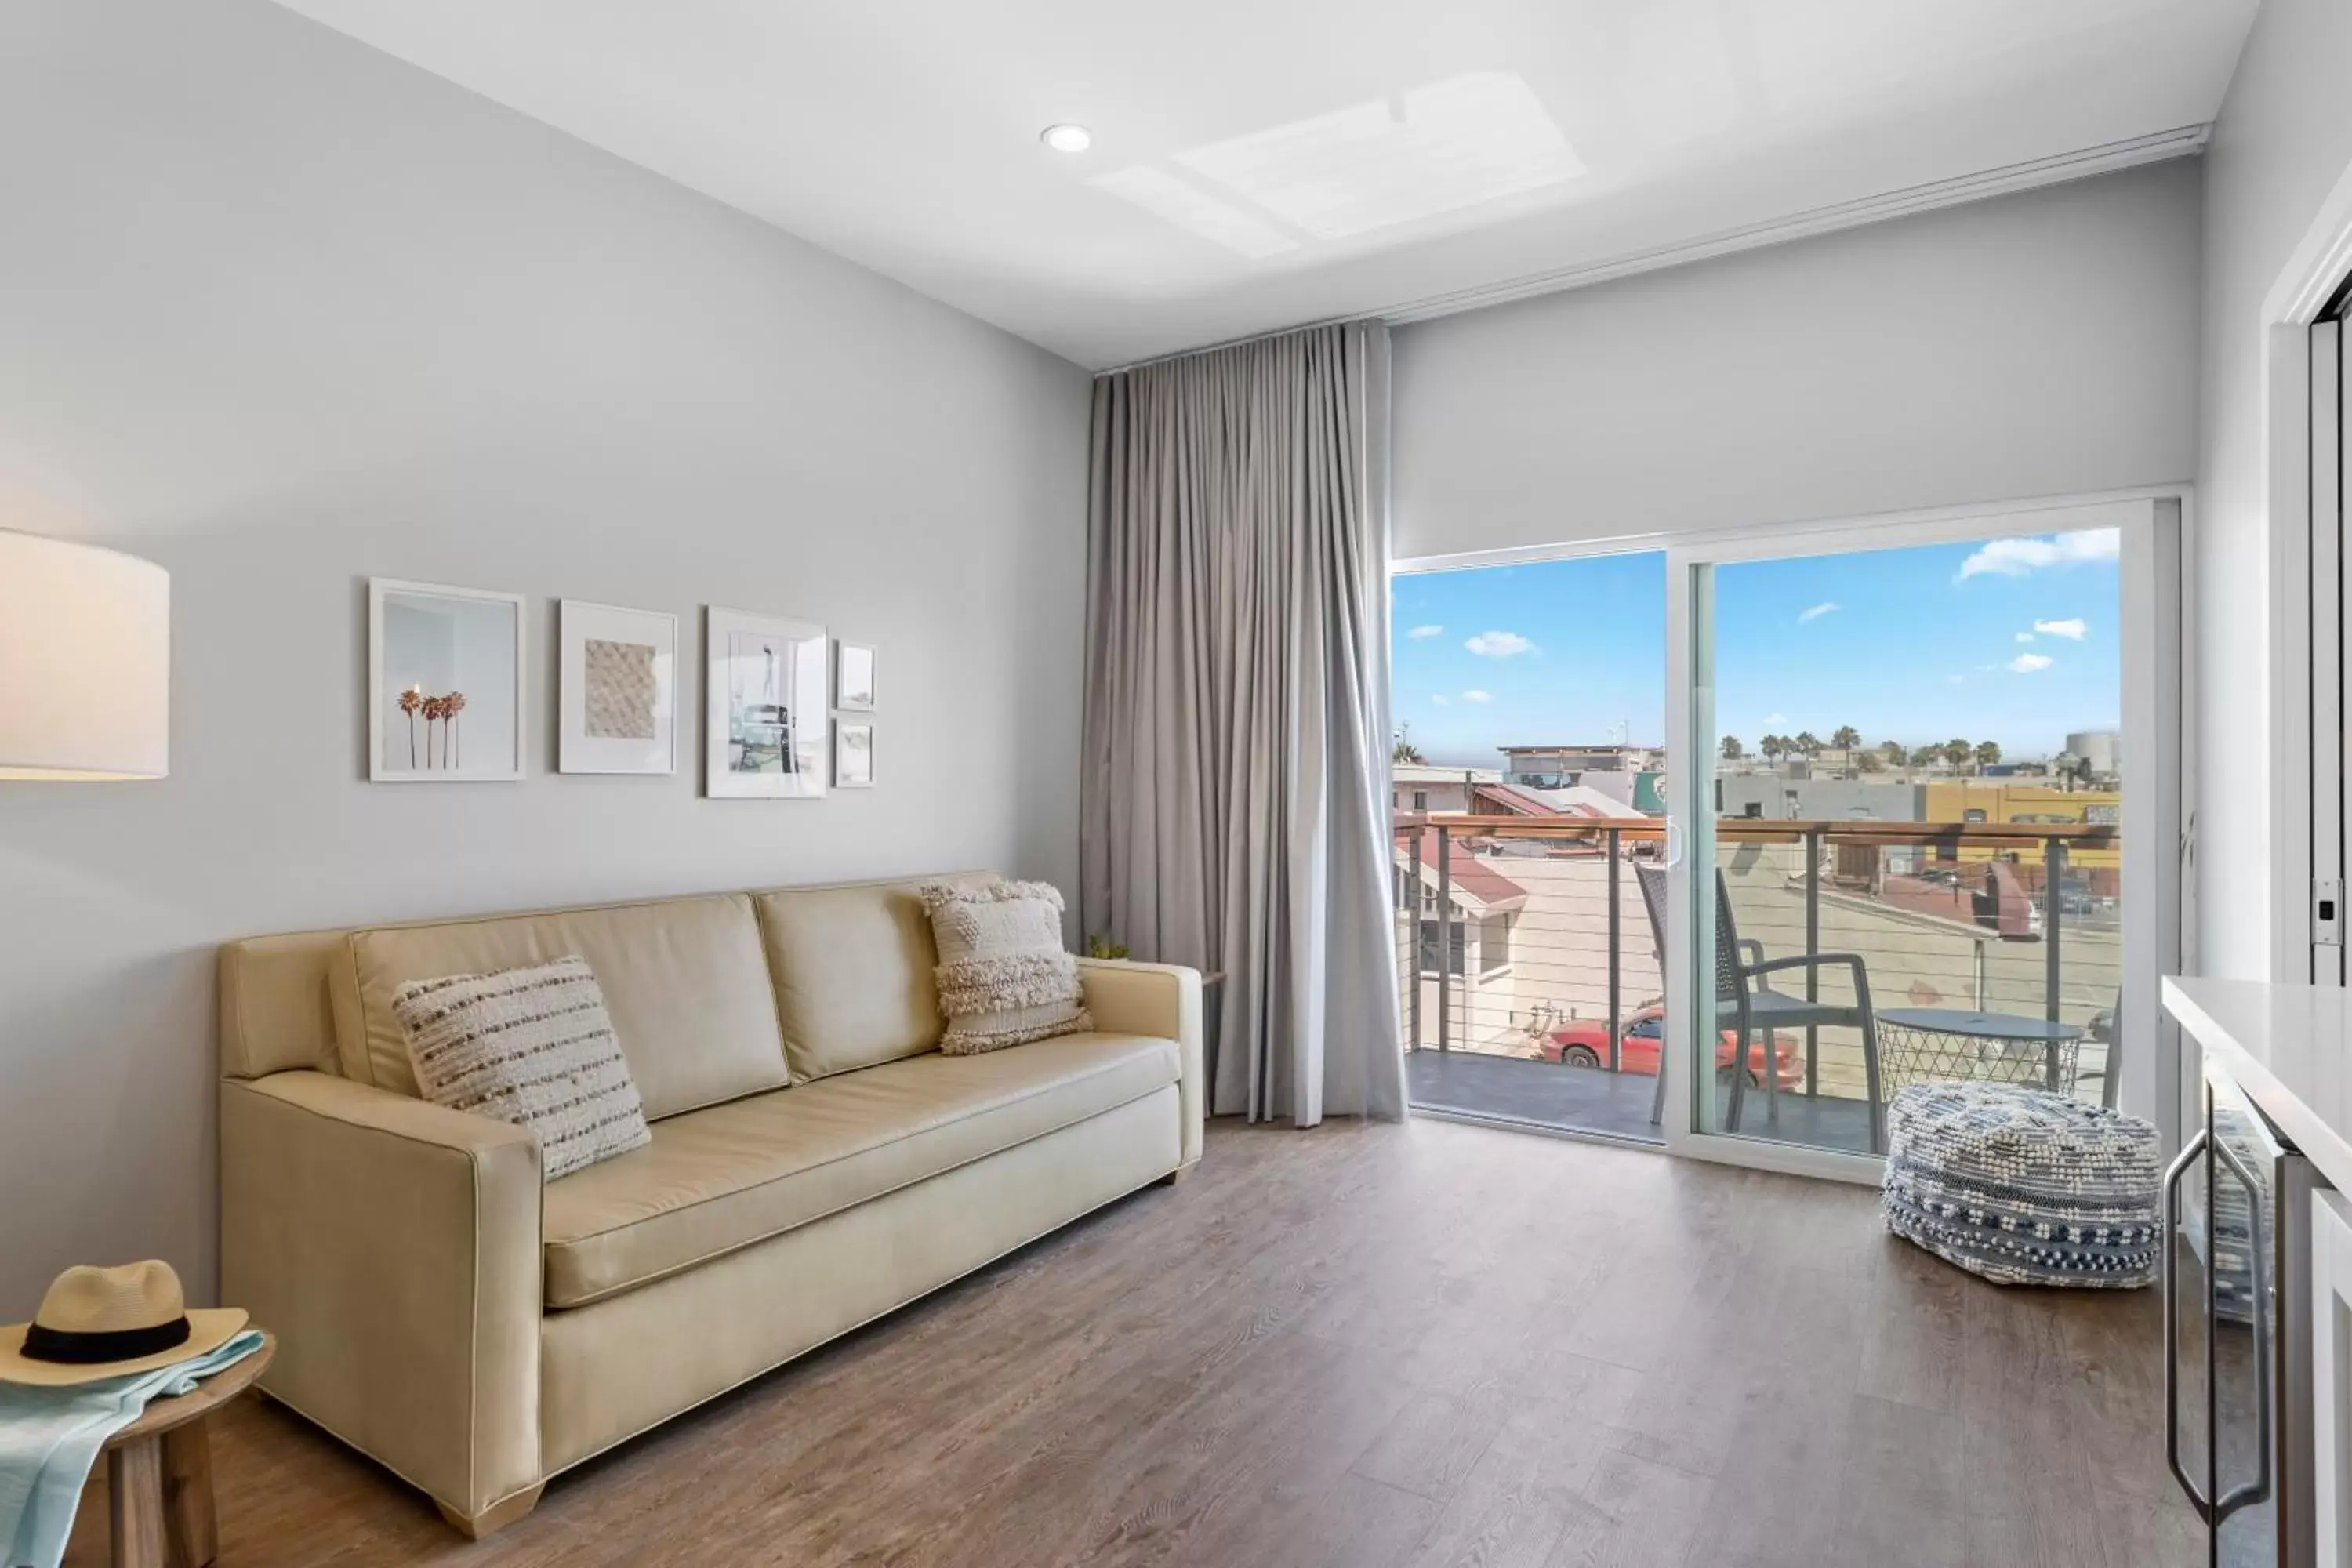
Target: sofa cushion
{"points": [[852, 973], [533, 1047], [1004, 977], [684, 980], [734, 1174]]}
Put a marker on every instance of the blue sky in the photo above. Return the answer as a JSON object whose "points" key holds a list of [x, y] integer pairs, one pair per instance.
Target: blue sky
{"points": [[2011, 640]]}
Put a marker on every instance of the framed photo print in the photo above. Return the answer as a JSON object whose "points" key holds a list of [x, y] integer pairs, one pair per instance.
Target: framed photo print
{"points": [[617, 690], [444, 684], [854, 677], [764, 686], [853, 754]]}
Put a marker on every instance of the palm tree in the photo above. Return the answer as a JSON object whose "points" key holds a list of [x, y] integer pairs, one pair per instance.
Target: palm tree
{"points": [[1957, 752], [1988, 752], [1774, 748], [1807, 742], [1732, 750], [1847, 738], [1405, 750], [410, 702]]}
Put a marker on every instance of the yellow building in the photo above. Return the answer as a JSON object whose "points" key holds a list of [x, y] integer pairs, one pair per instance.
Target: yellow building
{"points": [[2013, 800]]}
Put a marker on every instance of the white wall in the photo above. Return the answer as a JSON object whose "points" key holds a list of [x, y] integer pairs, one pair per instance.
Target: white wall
{"points": [[279, 312], [2027, 345], [2281, 141]]}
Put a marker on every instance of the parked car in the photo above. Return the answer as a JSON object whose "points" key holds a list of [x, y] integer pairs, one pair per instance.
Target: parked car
{"points": [[1584, 1043]]}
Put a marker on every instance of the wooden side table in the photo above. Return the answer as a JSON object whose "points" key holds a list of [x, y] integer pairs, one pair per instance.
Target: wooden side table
{"points": [[159, 1490]]}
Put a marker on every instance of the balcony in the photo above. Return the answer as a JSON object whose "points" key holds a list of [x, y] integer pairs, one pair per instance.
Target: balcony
{"points": [[1533, 993]]}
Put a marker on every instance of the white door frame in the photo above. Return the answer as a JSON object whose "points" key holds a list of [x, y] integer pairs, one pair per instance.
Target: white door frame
{"points": [[2156, 714], [2315, 269]]}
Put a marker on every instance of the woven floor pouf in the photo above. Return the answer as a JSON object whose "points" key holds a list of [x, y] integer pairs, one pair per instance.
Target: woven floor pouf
{"points": [[2024, 1186]]}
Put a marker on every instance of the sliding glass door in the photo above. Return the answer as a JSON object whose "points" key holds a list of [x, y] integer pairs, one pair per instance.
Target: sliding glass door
{"points": [[1923, 798]]}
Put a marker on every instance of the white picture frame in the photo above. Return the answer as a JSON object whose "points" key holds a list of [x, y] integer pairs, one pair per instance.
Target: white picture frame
{"points": [[853, 754], [428, 642], [765, 681], [853, 688], [617, 690]]}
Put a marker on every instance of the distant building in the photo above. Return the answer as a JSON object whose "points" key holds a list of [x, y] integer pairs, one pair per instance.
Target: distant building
{"points": [[2007, 801], [2102, 749], [1559, 767], [1482, 908], [1478, 791], [1815, 799], [1422, 787]]}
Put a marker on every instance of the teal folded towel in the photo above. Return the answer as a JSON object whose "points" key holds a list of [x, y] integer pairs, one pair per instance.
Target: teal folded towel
{"points": [[49, 1439]]}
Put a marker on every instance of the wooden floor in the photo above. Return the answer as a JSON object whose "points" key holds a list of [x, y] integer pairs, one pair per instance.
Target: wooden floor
{"points": [[1364, 1346]]}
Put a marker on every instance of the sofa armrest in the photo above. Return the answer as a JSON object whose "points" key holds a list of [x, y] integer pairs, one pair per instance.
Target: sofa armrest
{"points": [[394, 1246], [1161, 1000]]}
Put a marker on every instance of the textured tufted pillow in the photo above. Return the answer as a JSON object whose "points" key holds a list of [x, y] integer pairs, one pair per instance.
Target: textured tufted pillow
{"points": [[533, 1047], [1004, 978]]}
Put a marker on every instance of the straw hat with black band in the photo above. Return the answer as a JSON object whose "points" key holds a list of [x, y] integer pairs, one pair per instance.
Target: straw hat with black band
{"points": [[97, 1323]]}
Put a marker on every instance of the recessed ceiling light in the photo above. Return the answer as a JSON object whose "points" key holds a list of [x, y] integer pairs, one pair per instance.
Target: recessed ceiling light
{"points": [[1066, 138]]}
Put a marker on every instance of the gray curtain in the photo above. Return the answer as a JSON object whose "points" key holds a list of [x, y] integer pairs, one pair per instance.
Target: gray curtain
{"points": [[1233, 813]]}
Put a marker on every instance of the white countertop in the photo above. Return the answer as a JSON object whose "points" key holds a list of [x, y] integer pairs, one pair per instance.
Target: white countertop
{"points": [[2289, 1047]]}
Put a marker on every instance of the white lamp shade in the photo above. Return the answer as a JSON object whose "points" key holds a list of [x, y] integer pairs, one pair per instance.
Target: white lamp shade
{"points": [[85, 662]]}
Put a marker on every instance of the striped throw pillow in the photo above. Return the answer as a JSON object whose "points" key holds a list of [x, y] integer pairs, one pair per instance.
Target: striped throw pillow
{"points": [[533, 1047], [1004, 977]]}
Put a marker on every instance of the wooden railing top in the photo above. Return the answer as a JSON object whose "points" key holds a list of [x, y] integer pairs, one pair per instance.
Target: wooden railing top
{"points": [[1774, 830]]}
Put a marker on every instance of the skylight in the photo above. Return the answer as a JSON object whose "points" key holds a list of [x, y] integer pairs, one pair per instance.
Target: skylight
{"points": [[1460, 142], [1164, 195]]}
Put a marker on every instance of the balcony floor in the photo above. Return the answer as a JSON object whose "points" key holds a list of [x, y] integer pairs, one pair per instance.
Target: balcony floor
{"points": [[1533, 1093]]}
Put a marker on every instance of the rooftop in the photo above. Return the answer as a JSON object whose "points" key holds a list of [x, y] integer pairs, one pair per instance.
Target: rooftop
{"points": [[1438, 773], [1473, 877]]}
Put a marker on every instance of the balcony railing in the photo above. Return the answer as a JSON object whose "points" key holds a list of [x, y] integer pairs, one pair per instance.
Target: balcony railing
{"points": [[1510, 929]]}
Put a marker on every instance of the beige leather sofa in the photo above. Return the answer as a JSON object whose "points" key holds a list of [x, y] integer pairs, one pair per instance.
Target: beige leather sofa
{"points": [[815, 1163]]}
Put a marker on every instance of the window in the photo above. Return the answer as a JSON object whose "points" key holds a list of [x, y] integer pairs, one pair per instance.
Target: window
{"points": [[1421, 800], [1493, 945], [1429, 949]]}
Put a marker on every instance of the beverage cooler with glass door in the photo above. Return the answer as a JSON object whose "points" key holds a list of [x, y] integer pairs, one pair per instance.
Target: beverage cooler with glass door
{"points": [[2237, 1210]]}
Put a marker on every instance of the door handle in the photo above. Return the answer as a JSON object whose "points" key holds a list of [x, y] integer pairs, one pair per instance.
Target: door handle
{"points": [[2169, 1217], [2257, 1243]]}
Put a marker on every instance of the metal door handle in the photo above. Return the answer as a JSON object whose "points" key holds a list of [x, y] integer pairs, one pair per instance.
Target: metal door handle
{"points": [[2169, 1214], [2259, 1489]]}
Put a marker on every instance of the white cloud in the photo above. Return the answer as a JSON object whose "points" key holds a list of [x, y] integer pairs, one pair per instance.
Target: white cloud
{"points": [[1475, 696], [1815, 612], [2027, 663], [2025, 636], [2018, 557], [1499, 644], [1441, 699], [1421, 634], [1776, 717], [2072, 630]]}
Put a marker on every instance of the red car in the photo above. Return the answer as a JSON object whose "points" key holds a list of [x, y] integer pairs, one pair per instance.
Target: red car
{"points": [[1584, 1043]]}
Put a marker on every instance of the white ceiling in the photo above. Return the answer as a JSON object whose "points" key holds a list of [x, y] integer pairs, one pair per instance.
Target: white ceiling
{"points": [[1258, 163]]}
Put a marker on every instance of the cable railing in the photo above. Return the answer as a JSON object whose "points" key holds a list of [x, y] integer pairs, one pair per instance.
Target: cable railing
{"points": [[1529, 936]]}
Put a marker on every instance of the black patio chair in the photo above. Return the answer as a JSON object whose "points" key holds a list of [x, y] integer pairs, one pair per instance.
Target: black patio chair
{"points": [[1746, 1003]]}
